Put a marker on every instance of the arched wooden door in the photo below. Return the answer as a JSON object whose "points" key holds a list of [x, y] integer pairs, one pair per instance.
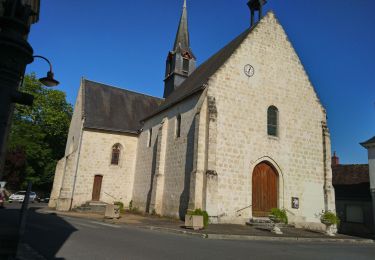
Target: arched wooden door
{"points": [[265, 190], [97, 187]]}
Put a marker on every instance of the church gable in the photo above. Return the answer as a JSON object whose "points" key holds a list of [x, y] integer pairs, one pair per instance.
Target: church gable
{"points": [[264, 77]]}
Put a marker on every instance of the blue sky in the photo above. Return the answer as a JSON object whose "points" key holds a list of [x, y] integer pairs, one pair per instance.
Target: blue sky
{"points": [[125, 43]]}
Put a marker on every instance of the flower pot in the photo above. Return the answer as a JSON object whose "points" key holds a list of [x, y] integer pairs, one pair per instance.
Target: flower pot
{"points": [[194, 222]]}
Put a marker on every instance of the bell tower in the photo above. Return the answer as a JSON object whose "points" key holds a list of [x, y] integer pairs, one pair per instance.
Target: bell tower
{"points": [[256, 6], [181, 61]]}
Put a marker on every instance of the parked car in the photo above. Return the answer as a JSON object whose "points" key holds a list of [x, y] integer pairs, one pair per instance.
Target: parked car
{"points": [[20, 196], [44, 199]]}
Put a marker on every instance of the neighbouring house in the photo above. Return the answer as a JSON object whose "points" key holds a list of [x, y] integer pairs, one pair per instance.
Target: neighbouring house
{"points": [[353, 197], [240, 134]]}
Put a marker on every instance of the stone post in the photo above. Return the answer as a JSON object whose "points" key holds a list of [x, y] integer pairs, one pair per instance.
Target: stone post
{"points": [[160, 167], [211, 174]]}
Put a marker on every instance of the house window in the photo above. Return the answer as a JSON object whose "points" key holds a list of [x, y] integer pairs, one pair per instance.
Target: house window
{"points": [[116, 150], [149, 137], [272, 121], [185, 66], [178, 126]]}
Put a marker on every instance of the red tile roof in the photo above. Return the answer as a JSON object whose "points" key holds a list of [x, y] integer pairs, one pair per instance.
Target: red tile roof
{"points": [[350, 174]]}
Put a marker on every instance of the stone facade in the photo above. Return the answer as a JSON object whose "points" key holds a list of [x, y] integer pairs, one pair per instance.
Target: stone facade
{"points": [[297, 153], [162, 177], [223, 138]]}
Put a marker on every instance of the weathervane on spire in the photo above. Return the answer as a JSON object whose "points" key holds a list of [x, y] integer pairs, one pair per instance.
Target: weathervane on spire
{"points": [[256, 5]]}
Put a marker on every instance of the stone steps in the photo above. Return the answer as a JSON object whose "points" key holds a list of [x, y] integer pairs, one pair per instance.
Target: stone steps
{"points": [[92, 207], [260, 223]]}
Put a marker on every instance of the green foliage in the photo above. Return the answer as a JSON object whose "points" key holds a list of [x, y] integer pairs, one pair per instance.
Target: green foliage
{"points": [[37, 137], [130, 205], [120, 204], [329, 218], [279, 214], [199, 212]]}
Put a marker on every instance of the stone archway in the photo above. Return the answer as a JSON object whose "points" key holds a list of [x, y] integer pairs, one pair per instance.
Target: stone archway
{"points": [[264, 189]]}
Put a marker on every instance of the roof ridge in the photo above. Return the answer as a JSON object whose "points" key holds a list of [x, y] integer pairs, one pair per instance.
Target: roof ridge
{"points": [[200, 76], [122, 89]]}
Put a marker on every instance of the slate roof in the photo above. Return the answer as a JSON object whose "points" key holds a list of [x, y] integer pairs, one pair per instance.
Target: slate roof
{"points": [[198, 79], [350, 174], [114, 109], [182, 37], [369, 142]]}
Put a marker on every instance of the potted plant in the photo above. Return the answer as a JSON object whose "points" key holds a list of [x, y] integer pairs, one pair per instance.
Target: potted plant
{"points": [[278, 217], [197, 219], [331, 221]]}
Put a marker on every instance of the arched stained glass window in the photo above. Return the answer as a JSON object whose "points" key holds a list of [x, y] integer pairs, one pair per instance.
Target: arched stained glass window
{"points": [[149, 138], [272, 121], [178, 126], [116, 151]]}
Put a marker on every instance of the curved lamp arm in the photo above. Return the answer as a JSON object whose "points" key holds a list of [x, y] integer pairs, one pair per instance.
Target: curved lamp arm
{"points": [[48, 81], [44, 58]]}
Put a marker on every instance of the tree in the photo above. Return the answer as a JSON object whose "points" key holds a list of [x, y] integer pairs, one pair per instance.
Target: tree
{"points": [[38, 136]]}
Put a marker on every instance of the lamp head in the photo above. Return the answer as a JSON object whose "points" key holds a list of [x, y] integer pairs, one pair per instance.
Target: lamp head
{"points": [[49, 81]]}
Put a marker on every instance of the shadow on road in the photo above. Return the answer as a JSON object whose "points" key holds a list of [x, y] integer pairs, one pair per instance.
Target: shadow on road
{"points": [[45, 233]]}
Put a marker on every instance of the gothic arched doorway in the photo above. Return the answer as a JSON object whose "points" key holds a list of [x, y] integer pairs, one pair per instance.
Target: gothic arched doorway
{"points": [[264, 189]]}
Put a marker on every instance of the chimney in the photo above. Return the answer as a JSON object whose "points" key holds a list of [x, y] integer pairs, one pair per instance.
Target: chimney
{"points": [[335, 160]]}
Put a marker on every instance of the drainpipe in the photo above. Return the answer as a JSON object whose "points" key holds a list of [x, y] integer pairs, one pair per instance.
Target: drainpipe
{"points": [[327, 186], [77, 165]]}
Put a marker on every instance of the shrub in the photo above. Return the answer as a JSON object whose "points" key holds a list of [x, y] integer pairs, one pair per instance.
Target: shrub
{"points": [[279, 214], [131, 205], [329, 218], [120, 204], [199, 212]]}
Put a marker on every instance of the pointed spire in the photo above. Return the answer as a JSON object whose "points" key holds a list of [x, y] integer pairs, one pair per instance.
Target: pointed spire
{"points": [[182, 37]]}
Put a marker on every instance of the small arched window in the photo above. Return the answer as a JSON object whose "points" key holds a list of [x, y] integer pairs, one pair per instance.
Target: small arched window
{"points": [[185, 66], [178, 126], [116, 151], [272, 121], [149, 137]]}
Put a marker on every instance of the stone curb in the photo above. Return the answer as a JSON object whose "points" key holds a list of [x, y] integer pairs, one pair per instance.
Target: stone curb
{"points": [[229, 237], [257, 238]]}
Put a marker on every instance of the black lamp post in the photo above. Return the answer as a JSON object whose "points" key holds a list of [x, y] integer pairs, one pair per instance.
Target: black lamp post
{"points": [[16, 17]]}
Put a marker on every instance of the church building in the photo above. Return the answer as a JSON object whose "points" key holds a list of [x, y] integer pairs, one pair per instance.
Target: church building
{"points": [[240, 134]]}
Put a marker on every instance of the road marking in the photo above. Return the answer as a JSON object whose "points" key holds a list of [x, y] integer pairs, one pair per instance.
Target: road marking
{"points": [[85, 225], [105, 224]]}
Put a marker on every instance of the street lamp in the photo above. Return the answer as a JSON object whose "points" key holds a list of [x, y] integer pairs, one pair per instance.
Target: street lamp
{"points": [[48, 81]]}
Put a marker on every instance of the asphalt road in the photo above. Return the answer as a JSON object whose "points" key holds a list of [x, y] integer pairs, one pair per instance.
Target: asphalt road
{"points": [[58, 237]]}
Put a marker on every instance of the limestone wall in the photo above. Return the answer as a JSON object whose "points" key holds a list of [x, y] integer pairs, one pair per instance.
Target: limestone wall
{"points": [[173, 173], [75, 124], [67, 179], [95, 159], [57, 182], [241, 140]]}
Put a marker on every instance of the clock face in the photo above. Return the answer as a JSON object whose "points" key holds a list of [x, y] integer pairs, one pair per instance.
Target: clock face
{"points": [[249, 70]]}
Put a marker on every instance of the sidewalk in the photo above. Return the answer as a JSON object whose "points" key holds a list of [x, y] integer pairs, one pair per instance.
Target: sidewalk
{"points": [[215, 231]]}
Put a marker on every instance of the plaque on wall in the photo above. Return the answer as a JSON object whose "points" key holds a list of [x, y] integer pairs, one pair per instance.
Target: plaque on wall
{"points": [[295, 203]]}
